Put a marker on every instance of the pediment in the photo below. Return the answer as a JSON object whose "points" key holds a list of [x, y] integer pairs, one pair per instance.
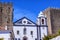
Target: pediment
{"points": [[24, 21]]}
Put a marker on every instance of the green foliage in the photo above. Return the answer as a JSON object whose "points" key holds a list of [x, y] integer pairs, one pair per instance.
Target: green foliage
{"points": [[1, 38], [59, 32], [46, 38], [51, 36]]}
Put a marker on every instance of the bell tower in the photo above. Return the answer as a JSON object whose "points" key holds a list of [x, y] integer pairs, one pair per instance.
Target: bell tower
{"points": [[42, 25]]}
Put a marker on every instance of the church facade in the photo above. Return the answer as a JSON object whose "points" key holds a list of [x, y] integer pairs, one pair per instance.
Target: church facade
{"points": [[25, 29]]}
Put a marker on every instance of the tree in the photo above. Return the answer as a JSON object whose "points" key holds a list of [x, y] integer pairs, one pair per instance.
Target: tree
{"points": [[1, 38]]}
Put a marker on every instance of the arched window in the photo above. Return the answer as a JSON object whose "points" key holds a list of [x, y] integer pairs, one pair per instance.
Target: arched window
{"points": [[24, 30], [42, 21], [18, 32], [25, 38]]}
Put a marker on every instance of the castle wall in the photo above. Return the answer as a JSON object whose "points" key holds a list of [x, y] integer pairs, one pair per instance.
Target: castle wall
{"points": [[6, 11], [53, 20]]}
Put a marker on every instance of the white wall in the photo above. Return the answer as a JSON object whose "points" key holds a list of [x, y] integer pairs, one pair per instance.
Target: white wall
{"points": [[6, 36], [28, 35], [43, 32]]}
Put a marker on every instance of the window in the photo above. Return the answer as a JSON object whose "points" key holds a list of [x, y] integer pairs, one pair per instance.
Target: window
{"points": [[35, 38], [31, 32], [24, 31], [42, 21], [8, 9], [18, 38], [0, 9], [17, 32], [40, 39], [24, 38], [8, 21], [24, 21]]}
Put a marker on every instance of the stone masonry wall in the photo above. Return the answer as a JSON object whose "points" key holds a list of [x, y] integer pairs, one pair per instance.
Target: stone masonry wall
{"points": [[53, 19]]}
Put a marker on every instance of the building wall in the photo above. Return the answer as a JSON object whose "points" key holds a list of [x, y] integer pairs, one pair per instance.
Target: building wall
{"points": [[43, 32], [6, 11], [5, 36], [28, 32], [53, 19]]}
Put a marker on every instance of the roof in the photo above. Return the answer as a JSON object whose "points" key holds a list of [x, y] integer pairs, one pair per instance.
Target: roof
{"points": [[22, 19], [4, 31], [41, 14]]}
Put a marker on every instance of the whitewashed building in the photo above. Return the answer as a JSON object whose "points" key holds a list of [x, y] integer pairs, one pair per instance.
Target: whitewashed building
{"points": [[5, 35], [42, 26], [25, 29]]}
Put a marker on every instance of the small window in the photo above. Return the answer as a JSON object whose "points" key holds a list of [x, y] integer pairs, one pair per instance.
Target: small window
{"points": [[18, 38], [17, 32], [8, 9], [7, 21], [24, 21], [35, 38], [24, 31], [31, 32], [42, 21], [1, 9], [40, 39]]}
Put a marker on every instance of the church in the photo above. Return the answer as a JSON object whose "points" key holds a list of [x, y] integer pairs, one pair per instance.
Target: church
{"points": [[25, 29]]}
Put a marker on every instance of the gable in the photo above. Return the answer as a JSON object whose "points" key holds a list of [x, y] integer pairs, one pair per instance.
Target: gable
{"points": [[24, 21]]}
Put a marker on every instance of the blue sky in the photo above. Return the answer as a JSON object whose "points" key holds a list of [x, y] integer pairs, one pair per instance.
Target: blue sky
{"points": [[31, 8]]}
